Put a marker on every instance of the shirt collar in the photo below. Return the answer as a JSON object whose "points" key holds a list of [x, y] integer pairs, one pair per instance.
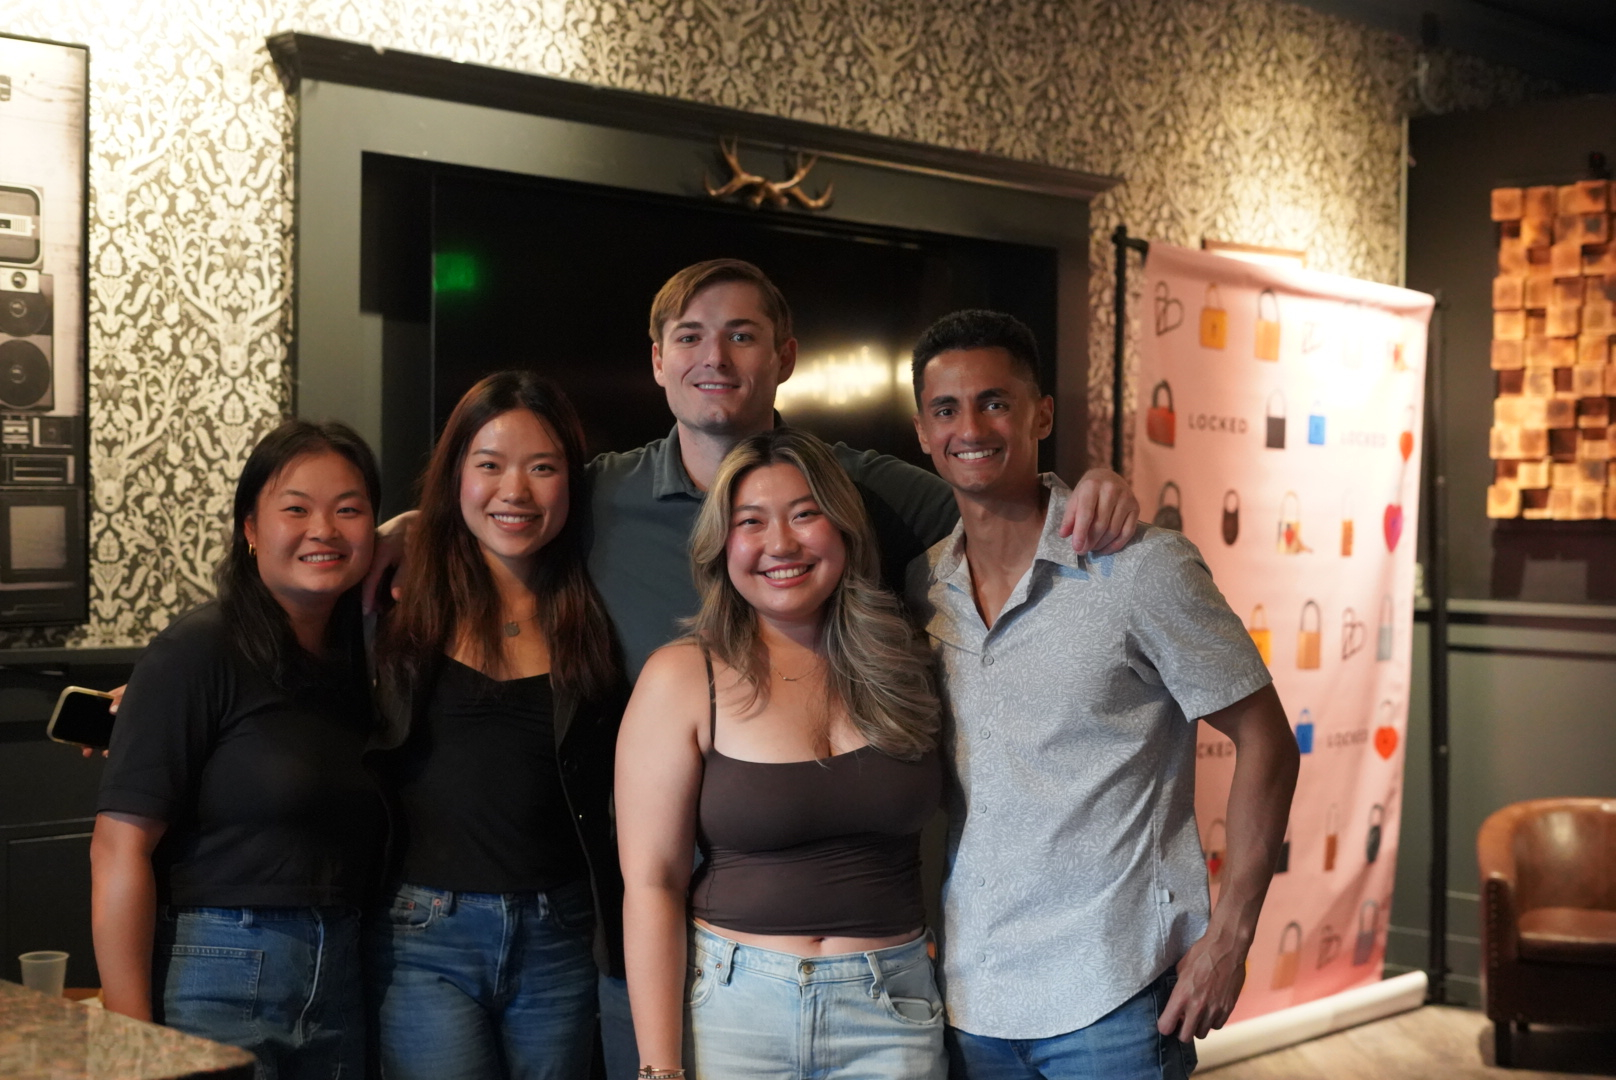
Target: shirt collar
{"points": [[953, 569], [668, 475]]}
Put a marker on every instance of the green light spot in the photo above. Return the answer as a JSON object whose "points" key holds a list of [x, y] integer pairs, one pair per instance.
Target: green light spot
{"points": [[455, 272]]}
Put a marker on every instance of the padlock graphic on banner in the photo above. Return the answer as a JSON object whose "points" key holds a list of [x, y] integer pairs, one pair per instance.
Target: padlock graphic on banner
{"points": [[1282, 865], [1276, 421], [1310, 642], [1384, 634], [1332, 836], [1377, 818], [1161, 424], [1231, 516], [1329, 945], [1290, 956], [1169, 515], [1216, 846], [1304, 732], [1315, 425], [1364, 947], [1261, 636], [1346, 524], [1214, 320], [1290, 525], [1385, 737], [1353, 633], [1267, 346]]}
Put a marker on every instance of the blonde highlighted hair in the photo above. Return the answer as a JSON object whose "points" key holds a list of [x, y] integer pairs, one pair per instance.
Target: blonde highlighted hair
{"points": [[878, 670]]}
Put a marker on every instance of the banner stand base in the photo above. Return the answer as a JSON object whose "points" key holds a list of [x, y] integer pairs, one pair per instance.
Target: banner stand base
{"points": [[1299, 1023]]}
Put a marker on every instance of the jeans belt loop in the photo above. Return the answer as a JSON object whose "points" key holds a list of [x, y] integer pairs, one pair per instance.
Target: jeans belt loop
{"points": [[246, 920], [877, 979], [445, 903], [727, 962]]}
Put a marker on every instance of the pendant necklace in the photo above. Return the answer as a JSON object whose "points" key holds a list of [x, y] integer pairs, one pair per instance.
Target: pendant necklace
{"points": [[515, 627]]}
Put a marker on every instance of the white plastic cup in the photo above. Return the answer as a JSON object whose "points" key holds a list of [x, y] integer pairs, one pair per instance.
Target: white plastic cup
{"points": [[45, 971]]}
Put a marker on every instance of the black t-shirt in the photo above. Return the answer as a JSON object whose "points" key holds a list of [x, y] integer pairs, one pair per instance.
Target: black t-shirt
{"points": [[266, 796], [478, 796]]}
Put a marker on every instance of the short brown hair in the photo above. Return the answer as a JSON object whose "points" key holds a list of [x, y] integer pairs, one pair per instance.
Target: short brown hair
{"points": [[679, 290]]}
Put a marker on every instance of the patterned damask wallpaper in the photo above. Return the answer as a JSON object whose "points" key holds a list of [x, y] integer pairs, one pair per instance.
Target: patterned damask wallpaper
{"points": [[1251, 120]]}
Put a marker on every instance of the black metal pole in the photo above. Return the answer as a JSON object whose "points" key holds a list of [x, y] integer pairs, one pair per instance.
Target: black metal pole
{"points": [[1119, 313], [1436, 587]]}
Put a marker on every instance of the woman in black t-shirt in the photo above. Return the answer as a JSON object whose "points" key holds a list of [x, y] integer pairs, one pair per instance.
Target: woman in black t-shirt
{"points": [[238, 828], [499, 659]]}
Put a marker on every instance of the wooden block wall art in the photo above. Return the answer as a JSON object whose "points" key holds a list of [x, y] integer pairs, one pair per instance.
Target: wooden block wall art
{"points": [[1593, 349], [1503, 500], [1540, 203], [1599, 259], [1564, 322], [1553, 439], [1589, 197], [1532, 474], [1588, 380], [1508, 203], [1537, 293], [1565, 258]]}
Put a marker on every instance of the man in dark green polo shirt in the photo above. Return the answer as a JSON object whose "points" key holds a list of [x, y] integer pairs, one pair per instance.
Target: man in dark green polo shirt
{"points": [[722, 342]]}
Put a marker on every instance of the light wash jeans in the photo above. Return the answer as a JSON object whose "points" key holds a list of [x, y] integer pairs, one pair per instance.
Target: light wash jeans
{"points": [[281, 982], [1122, 1045], [484, 986], [755, 1014]]}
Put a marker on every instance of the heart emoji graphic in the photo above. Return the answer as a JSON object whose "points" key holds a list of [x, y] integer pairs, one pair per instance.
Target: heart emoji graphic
{"points": [[1405, 444], [1169, 312], [1386, 742], [1392, 523]]}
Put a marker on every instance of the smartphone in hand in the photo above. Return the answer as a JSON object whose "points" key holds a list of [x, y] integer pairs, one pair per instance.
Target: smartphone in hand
{"points": [[83, 718]]}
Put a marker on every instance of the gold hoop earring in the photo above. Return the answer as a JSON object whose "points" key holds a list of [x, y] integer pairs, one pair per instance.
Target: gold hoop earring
{"points": [[251, 551]]}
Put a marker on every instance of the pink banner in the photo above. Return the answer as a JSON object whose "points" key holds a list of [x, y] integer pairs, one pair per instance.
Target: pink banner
{"points": [[1279, 428]]}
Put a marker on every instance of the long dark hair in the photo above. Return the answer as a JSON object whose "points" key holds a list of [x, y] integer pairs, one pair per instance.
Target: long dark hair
{"points": [[448, 590], [258, 625]]}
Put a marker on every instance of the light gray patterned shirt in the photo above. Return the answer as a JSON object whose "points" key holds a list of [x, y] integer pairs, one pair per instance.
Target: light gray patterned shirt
{"points": [[1075, 871]]}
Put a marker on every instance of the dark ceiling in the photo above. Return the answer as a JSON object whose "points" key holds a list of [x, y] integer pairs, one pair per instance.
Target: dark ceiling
{"points": [[1570, 41]]}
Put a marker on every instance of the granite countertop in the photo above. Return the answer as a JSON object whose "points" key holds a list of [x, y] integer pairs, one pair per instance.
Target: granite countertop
{"points": [[44, 1038]]}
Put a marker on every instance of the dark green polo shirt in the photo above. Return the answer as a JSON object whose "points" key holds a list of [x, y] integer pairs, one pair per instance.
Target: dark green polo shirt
{"points": [[643, 505]]}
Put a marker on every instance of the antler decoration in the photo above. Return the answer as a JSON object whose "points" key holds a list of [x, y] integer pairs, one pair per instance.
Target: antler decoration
{"points": [[756, 190]]}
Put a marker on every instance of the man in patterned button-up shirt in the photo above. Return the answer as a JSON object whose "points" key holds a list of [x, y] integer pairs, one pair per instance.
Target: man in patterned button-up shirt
{"points": [[1077, 941]]}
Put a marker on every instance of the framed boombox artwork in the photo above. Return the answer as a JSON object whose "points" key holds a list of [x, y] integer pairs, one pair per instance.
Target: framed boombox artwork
{"points": [[44, 187]]}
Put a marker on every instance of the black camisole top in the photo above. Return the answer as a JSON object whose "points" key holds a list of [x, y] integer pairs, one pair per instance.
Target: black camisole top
{"points": [[820, 848]]}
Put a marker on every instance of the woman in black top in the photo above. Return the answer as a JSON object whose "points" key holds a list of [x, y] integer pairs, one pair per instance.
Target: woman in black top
{"points": [[238, 829], [500, 659]]}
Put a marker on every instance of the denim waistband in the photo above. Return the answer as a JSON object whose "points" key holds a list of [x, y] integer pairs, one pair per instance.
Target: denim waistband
{"points": [[452, 897], [727, 956], [247, 916]]}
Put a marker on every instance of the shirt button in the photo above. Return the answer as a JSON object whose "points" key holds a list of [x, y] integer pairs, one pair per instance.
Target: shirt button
{"points": [[981, 958], [987, 660], [987, 734], [982, 882]]}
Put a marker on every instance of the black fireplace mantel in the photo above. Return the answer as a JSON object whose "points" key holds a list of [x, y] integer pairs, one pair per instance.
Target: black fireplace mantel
{"points": [[309, 56]]}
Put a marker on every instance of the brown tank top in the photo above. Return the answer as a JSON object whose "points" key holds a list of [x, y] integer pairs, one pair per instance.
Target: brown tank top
{"points": [[827, 847]]}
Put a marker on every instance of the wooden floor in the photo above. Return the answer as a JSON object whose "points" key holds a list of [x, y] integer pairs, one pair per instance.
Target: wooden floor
{"points": [[1433, 1043]]}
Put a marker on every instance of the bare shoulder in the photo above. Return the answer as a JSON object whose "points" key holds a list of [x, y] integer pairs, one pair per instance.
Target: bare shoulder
{"points": [[670, 696]]}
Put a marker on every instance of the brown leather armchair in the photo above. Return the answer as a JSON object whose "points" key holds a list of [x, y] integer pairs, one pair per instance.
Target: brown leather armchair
{"points": [[1548, 915]]}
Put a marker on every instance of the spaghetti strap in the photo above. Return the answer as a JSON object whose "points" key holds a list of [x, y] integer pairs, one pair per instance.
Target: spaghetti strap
{"points": [[712, 702]]}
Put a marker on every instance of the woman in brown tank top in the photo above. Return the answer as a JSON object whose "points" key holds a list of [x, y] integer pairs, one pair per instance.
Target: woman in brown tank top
{"points": [[792, 739]]}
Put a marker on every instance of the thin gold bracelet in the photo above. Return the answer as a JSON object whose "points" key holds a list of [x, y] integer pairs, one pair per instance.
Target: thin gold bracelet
{"points": [[647, 1072]]}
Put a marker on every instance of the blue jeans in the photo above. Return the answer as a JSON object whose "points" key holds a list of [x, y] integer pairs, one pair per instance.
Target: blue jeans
{"points": [[281, 982], [755, 1014], [1122, 1045], [617, 1030], [483, 986]]}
